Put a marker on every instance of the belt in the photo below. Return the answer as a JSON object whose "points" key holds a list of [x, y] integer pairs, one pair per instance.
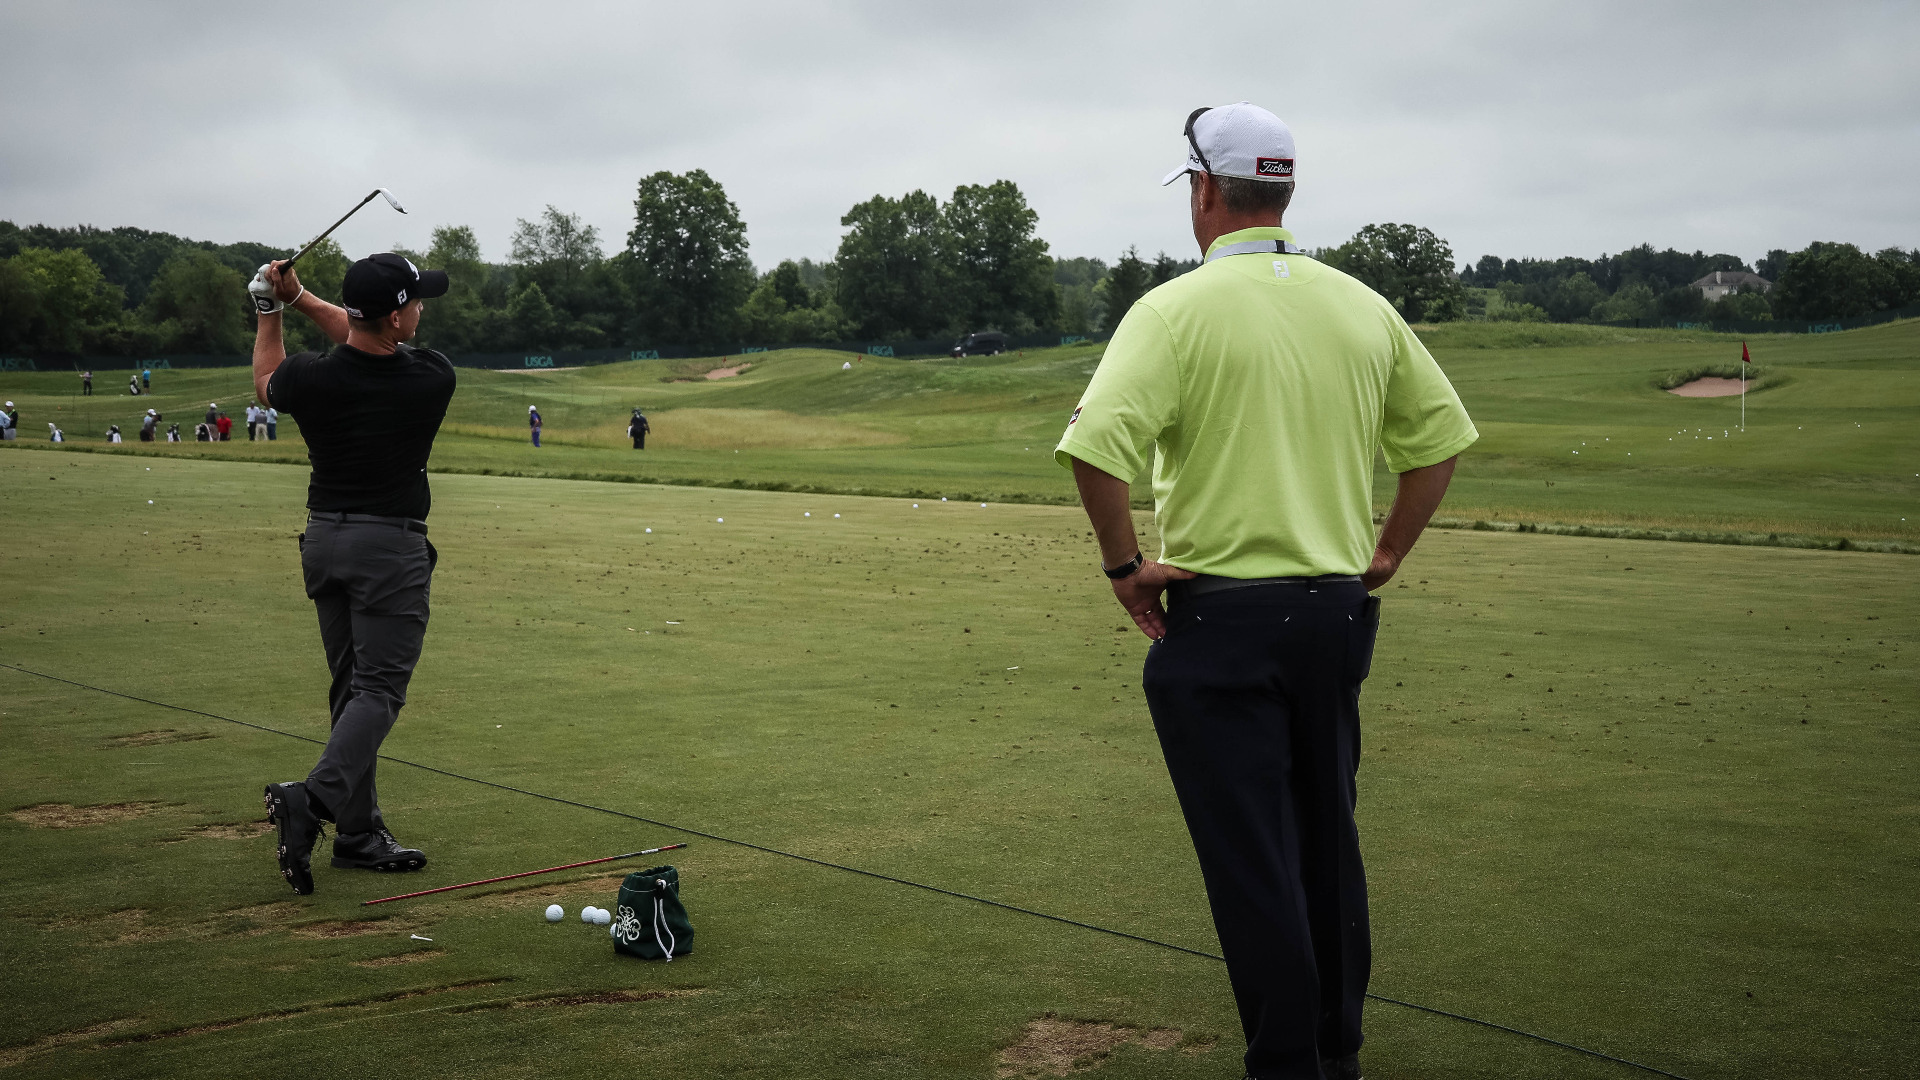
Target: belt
{"points": [[1207, 583], [409, 524]]}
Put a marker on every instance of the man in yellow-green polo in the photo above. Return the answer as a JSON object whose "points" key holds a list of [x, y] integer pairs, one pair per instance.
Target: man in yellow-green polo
{"points": [[1263, 383]]}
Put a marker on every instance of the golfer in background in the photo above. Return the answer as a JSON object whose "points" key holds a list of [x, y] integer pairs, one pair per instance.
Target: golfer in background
{"points": [[1266, 382], [370, 409], [533, 423]]}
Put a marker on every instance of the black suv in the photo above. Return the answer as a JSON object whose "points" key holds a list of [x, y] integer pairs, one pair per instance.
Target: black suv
{"points": [[991, 343]]}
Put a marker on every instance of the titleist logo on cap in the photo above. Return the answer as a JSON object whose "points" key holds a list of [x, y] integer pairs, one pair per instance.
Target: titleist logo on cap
{"points": [[1274, 166]]}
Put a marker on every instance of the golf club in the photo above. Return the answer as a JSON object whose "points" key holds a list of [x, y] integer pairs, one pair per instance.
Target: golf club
{"points": [[510, 877], [391, 201]]}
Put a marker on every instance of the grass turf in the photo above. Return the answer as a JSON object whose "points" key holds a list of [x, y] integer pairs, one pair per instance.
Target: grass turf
{"points": [[1653, 798], [1575, 427]]}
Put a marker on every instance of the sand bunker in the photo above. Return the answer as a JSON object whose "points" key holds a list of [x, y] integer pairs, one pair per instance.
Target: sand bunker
{"points": [[727, 372], [1710, 386], [1052, 1046]]}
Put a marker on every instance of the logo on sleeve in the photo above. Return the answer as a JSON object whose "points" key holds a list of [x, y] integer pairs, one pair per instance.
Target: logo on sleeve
{"points": [[1075, 418], [1280, 168]]}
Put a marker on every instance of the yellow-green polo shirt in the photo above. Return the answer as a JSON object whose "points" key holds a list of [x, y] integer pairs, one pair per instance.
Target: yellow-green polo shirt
{"points": [[1266, 382]]}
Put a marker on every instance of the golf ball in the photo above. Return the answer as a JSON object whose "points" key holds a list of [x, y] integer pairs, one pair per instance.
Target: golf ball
{"points": [[555, 913], [586, 914], [602, 917]]}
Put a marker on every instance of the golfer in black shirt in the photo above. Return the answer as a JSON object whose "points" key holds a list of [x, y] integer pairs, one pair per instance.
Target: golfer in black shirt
{"points": [[369, 410]]}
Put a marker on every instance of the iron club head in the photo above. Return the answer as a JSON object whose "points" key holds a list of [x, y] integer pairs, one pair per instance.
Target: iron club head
{"points": [[391, 201]]}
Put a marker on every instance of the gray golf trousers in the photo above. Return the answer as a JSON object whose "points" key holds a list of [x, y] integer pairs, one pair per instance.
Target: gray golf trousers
{"points": [[369, 579]]}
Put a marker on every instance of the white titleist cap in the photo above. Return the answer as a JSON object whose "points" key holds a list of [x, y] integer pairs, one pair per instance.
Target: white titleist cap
{"points": [[1241, 140]]}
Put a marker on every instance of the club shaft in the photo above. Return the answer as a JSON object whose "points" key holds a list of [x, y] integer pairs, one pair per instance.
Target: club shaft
{"points": [[343, 220], [528, 873]]}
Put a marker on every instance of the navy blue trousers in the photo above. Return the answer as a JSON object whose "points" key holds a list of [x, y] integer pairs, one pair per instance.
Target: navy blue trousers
{"points": [[1255, 694]]}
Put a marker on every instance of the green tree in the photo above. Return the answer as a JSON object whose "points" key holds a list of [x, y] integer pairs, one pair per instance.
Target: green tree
{"points": [[687, 259], [1573, 297], [1003, 275], [1409, 266], [54, 301], [530, 322], [1743, 306], [457, 322], [1831, 281], [1129, 281], [560, 244], [322, 271], [200, 305], [893, 279], [1634, 300], [1903, 277]]}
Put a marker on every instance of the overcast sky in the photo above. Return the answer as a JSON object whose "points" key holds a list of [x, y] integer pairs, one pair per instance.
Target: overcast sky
{"points": [[1511, 128]]}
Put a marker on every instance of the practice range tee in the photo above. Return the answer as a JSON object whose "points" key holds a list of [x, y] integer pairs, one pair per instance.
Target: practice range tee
{"points": [[369, 423], [1266, 382]]}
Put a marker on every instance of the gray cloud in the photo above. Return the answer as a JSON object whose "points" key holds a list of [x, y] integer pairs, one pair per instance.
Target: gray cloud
{"points": [[1513, 128]]}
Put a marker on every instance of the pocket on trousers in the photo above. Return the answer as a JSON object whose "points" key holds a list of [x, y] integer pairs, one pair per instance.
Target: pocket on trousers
{"points": [[1360, 657]]}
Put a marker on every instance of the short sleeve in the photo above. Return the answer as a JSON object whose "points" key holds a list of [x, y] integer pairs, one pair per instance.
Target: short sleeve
{"points": [[1133, 397], [283, 386], [1423, 423]]}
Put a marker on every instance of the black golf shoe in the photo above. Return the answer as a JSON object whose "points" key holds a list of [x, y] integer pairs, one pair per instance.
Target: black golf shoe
{"points": [[288, 808], [1341, 1068], [375, 850]]}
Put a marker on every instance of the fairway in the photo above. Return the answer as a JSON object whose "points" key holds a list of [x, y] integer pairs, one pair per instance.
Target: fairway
{"points": [[1654, 799], [1575, 427]]}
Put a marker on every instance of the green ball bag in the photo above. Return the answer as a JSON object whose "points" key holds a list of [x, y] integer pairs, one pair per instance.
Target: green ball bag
{"points": [[650, 921]]}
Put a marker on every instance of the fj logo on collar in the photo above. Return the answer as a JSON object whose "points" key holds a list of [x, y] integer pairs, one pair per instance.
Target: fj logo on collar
{"points": [[1280, 268], [1071, 420], [1281, 167]]}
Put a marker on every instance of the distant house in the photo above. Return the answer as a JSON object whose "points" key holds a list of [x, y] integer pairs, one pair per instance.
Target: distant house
{"points": [[1727, 282]]}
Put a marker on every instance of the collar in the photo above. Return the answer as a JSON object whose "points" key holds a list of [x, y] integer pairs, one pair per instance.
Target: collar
{"points": [[1261, 239]]}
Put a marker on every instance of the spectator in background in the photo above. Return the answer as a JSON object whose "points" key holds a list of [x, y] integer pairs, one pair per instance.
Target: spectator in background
{"points": [[533, 422], [173, 433], [213, 413], [113, 433], [148, 425], [13, 418], [86, 383], [273, 423], [7, 426], [224, 425], [146, 378], [637, 428]]}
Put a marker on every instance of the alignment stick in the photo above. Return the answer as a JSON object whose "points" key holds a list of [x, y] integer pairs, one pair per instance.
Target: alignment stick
{"points": [[529, 873]]}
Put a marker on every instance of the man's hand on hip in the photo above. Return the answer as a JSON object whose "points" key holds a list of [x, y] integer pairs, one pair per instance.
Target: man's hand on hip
{"points": [[1139, 592], [1385, 565]]}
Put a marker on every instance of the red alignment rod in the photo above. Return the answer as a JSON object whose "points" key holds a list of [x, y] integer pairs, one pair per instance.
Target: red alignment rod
{"points": [[529, 873]]}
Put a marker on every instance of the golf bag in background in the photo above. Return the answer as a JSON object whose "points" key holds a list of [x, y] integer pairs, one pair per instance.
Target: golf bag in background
{"points": [[649, 921]]}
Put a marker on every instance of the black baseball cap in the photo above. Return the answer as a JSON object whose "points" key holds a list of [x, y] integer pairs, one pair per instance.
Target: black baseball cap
{"points": [[382, 284]]}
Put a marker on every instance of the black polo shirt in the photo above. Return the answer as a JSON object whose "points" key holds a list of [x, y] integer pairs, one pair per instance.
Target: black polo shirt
{"points": [[369, 422]]}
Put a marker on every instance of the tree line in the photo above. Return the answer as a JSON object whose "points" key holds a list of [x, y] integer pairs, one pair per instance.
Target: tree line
{"points": [[911, 267]]}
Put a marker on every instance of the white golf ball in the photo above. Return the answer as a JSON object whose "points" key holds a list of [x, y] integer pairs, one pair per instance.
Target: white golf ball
{"points": [[717, 520], [836, 515], [149, 502], [602, 917], [649, 530], [587, 913], [555, 913]]}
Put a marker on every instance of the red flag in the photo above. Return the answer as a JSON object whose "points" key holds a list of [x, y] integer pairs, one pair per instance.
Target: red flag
{"points": [[1744, 358]]}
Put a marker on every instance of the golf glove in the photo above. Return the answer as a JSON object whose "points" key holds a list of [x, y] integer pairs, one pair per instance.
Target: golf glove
{"points": [[264, 300]]}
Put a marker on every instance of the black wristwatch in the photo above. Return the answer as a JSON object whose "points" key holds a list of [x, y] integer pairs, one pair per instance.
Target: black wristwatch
{"points": [[1125, 569]]}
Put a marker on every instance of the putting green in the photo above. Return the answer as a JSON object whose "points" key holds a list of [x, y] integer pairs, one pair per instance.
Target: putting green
{"points": [[1656, 799]]}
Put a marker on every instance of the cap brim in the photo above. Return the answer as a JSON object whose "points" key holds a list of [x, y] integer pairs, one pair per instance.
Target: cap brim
{"points": [[432, 284], [1176, 174]]}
